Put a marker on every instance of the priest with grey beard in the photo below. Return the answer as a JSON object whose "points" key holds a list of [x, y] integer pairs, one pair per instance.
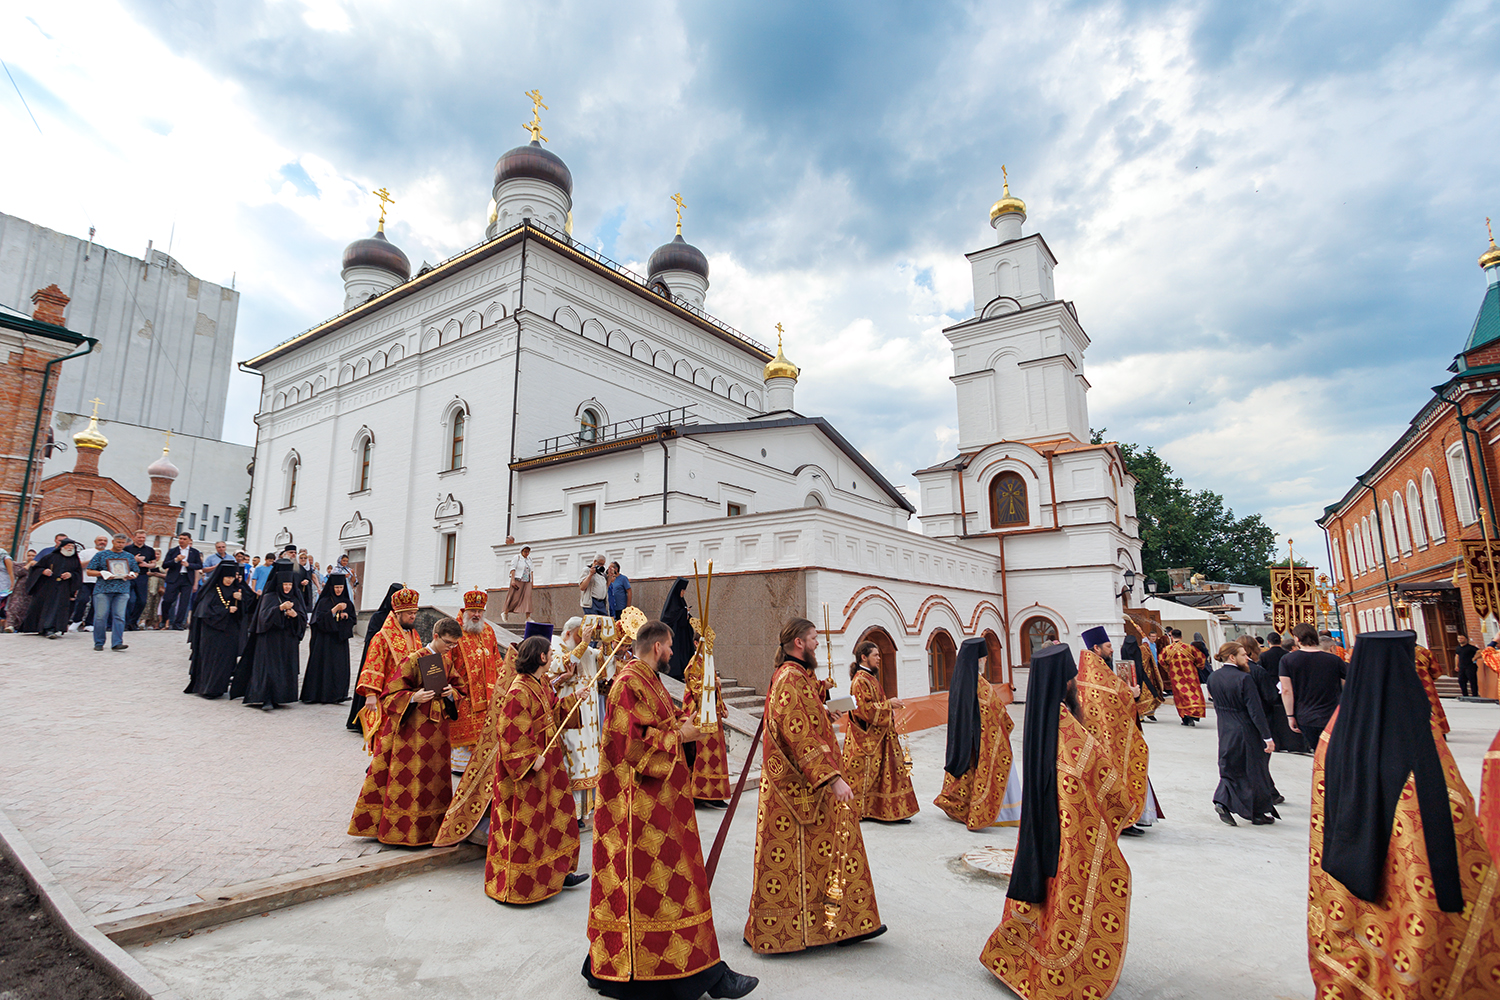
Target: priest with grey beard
{"points": [[479, 659]]}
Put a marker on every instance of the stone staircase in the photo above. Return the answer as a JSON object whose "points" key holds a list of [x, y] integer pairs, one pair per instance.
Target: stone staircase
{"points": [[1447, 687], [746, 699]]}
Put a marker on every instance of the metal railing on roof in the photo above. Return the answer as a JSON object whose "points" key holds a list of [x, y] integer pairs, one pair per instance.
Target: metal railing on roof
{"points": [[572, 244], [587, 437]]}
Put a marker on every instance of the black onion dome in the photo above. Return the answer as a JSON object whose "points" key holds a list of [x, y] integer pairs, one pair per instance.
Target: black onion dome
{"points": [[377, 251], [535, 162], [679, 255]]}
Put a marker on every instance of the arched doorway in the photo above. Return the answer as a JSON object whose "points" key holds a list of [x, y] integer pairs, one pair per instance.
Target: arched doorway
{"points": [[941, 652], [994, 659], [887, 646], [1035, 632]]}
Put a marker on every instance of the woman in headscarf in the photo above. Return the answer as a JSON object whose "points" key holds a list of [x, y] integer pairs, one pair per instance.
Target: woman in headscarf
{"points": [[53, 586], [675, 614], [1402, 886], [280, 621], [215, 632], [372, 628], [327, 679], [20, 597], [978, 759], [1244, 739], [873, 761]]}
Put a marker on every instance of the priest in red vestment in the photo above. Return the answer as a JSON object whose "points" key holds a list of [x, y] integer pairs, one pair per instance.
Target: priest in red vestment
{"points": [[651, 924], [874, 763], [1067, 911], [1489, 798], [409, 782], [396, 640], [1404, 895], [478, 658], [1181, 663]]}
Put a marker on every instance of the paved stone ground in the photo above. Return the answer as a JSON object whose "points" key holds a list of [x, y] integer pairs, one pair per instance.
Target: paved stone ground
{"points": [[140, 797], [1215, 912]]}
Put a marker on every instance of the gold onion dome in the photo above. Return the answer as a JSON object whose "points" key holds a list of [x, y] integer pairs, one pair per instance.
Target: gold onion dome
{"points": [[1490, 257], [90, 437], [779, 366], [1007, 204]]}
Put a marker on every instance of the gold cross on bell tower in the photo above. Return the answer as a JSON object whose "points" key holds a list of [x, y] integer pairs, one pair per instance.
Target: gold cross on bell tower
{"points": [[779, 332], [168, 446], [97, 402], [385, 201], [535, 125], [680, 206]]}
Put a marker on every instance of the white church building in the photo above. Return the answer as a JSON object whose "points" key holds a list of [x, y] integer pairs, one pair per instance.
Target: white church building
{"points": [[531, 391]]}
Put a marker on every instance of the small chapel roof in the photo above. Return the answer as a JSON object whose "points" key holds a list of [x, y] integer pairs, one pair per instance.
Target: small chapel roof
{"points": [[1486, 328]]}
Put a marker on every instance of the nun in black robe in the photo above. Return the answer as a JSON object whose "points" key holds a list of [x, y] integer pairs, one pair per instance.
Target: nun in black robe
{"points": [[675, 615], [326, 681], [214, 634], [372, 628], [278, 642], [54, 585], [1244, 779]]}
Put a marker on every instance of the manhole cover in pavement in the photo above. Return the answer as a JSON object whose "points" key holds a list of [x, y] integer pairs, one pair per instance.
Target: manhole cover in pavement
{"points": [[996, 861]]}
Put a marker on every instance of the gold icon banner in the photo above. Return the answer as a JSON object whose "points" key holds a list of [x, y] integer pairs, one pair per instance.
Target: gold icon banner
{"points": [[1481, 572], [1294, 597]]}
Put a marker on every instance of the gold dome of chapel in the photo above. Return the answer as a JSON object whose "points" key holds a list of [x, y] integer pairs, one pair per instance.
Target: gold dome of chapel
{"points": [[779, 366], [1007, 203]]}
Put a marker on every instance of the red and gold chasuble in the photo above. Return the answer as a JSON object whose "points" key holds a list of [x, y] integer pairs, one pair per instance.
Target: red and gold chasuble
{"points": [[388, 650], [1404, 947], [711, 759], [1427, 671], [872, 755], [409, 781], [649, 913], [533, 830], [471, 802], [1489, 798], [975, 799], [478, 658], [1073, 945], [1109, 713], [800, 834], [1181, 663]]}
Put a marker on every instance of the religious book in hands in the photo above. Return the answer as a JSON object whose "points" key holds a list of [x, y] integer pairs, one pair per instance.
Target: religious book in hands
{"points": [[430, 669]]}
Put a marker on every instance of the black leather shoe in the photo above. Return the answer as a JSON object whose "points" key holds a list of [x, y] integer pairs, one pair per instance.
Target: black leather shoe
{"points": [[1262, 821], [733, 984], [1132, 831], [577, 878], [1278, 800], [1223, 812]]}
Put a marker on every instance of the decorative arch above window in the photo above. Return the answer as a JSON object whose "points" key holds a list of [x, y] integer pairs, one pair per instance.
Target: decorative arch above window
{"points": [[1414, 511], [1431, 507], [455, 431], [364, 453], [291, 468], [1008, 502], [591, 415], [1402, 526], [1463, 487]]}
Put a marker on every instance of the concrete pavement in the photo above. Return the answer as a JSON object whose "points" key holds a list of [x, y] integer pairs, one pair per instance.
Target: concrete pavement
{"points": [[1216, 912]]}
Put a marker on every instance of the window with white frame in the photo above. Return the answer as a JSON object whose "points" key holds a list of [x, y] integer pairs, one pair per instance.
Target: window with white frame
{"points": [[1355, 566], [1388, 524], [1463, 487], [448, 558], [1430, 506], [1367, 542], [1398, 521], [291, 468], [1414, 511], [1338, 564]]}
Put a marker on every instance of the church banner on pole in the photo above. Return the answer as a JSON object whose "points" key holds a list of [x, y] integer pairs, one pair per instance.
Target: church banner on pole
{"points": [[1294, 597], [1481, 572]]}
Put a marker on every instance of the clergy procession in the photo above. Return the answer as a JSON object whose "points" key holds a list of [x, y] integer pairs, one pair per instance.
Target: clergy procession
{"points": [[565, 755]]}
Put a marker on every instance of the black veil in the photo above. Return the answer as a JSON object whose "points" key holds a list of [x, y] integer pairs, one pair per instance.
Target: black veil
{"points": [[1040, 836]]}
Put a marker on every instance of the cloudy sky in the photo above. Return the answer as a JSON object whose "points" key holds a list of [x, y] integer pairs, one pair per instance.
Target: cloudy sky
{"points": [[1268, 218]]}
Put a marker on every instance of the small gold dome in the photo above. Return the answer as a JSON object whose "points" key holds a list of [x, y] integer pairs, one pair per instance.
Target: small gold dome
{"points": [[779, 366], [1490, 257], [90, 437], [1007, 204]]}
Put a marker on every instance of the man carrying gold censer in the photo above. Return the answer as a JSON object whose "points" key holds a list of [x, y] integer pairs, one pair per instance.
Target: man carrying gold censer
{"points": [[812, 882], [877, 763]]}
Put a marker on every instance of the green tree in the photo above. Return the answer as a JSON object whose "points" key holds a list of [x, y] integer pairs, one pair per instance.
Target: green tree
{"points": [[1180, 527], [242, 518]]}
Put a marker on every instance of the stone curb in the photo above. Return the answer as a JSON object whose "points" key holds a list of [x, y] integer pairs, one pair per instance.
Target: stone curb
{"points": [[131, 976]]}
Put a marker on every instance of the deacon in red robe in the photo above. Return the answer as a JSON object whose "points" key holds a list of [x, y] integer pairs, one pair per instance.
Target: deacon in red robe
{"points": [[976, 763], [875, 766], [651, 924], [396, 640], [1181, 663]]}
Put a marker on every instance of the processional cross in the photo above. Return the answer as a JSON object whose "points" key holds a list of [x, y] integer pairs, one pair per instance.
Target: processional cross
{"points": [[537, 107], [385, 201], [680, 206]]}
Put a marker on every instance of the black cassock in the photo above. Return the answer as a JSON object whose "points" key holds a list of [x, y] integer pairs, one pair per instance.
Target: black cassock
{"points": [[327, 679], [276, 648], [51, 596], [215, 632], [1270, 700], [1244, 781]]}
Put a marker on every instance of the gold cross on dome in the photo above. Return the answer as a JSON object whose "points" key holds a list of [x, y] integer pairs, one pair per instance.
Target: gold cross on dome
{"points": [[680, 206], [779, 332], [385, 200], [537, 107], [168, 446], [1489, 230], [96, 401], [1006, 176]]}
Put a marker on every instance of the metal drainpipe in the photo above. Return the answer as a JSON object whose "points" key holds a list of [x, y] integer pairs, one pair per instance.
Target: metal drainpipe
{"points": [[515, 390], [254, 457], [36, 430], [1385, 559], [666, 458]]}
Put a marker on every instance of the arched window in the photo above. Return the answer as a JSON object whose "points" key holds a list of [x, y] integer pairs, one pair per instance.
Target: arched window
{"points": [[1036, 634], [365, 448], [1398, 519], [1008, 501], [455, 431], [456, 451], [1430, 506], [1414, 511], [941, 652], [1366, 542], [1388, 523], [292, 467], [1338, 562], [588, 426], [1463, 488], [812, 500]]}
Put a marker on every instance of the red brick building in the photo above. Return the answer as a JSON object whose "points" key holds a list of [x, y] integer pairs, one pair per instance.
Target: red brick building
{"points": [[1396, 539], [34, 349]]}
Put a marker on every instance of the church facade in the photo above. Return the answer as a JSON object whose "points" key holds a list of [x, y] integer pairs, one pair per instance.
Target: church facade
{"points": [[530, 391]]}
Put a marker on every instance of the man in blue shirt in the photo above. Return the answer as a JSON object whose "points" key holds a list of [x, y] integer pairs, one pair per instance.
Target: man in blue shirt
{"points": [[619, 589], [111, 591], [258, 577]]}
